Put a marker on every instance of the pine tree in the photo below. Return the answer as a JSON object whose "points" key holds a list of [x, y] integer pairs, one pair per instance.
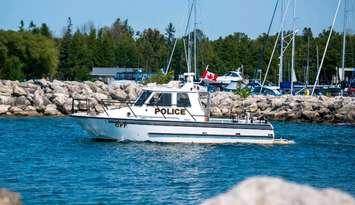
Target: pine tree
{"points": [[44, 30], [170, 34], [65, 46], [22, 26]]}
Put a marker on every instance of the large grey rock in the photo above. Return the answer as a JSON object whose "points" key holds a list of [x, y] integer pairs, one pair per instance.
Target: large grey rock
{"points": [[6, 90], [15, 110], [310, 115], [25, 111], [59, 99], [277, 102], [51, 109], [38, 97], [7, 100], [59, 89], [99, 96], [275, 191], [18, 91], [66, 108], [22, 100], [118, 94], [9, 198], [4, 109], [41, 82], [29, 86]]}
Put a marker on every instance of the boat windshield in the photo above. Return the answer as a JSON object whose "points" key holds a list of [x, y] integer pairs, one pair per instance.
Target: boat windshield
{"points": [[183, 100], [143, 97], [160, 99]]}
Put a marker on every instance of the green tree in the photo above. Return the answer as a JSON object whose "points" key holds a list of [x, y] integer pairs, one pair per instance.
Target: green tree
{"points": [[153, 49], [170, 34], [22, 26], [80, 58], [33, 28], [105, 55], [125, 49], [65, 71], [35, 52], [12, 69], [44, 30]]}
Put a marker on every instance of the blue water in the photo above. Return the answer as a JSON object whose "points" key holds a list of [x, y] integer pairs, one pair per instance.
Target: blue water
{"points": [[51, 161]]}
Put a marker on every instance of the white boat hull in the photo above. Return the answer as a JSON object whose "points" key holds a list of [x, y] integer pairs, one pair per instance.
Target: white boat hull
{"points": [[177, 132]]}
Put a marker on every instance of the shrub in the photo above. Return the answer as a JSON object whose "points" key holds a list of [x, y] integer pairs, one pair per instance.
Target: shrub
{"points": [[243, 92]]}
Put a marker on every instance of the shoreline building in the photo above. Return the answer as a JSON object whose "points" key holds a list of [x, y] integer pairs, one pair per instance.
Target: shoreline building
{"points": [[108, 74]]}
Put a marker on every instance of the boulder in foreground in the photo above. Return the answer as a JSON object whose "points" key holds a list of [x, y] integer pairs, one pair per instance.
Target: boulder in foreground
{"points": [[9, 198], [275, 191]]}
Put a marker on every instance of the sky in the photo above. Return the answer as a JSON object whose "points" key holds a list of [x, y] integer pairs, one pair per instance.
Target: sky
{"points": [[215, 17]]}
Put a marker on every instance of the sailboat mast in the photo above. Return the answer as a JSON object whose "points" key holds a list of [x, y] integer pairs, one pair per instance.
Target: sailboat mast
{"points": [[189, 52], [326, 48], [195, 38], [282, 43], [293, 46], [307, 68], [344, 42]]}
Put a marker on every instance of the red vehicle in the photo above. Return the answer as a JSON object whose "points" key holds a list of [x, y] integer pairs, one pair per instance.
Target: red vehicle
{"points": [[351, 88]]}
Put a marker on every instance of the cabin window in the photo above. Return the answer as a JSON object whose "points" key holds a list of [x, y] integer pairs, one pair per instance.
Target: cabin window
{"points": [[183, 100], [143, 97], [160, 99]]}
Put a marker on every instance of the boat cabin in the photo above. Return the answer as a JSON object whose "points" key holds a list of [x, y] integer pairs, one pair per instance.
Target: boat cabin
{"points": [[170, 103]]}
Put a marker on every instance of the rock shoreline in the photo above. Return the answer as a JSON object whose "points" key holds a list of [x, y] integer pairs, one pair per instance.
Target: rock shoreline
{"points": [[54, 98]]}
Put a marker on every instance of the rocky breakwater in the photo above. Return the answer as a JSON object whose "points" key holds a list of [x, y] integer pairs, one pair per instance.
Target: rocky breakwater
{"points": [[42, 97], [300, 108]]}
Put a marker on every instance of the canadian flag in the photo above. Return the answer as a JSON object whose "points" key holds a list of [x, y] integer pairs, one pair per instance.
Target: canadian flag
{"points": [[208, 75]]}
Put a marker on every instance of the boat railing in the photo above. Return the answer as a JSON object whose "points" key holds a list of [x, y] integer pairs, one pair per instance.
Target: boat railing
{"points": [[249, 120], [188, 112], [106, 103], [84, 105], [239, 120]]}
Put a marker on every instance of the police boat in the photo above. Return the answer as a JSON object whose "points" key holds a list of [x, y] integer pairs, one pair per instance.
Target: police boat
{"points": [[174, 114]]}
